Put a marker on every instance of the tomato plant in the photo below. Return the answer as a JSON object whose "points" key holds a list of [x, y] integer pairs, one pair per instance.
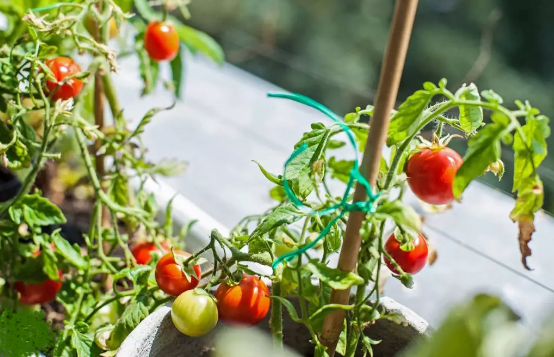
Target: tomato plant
{"points": [[161, 41], [194, 313], [172, 278], [60, 113], [246, 303]]}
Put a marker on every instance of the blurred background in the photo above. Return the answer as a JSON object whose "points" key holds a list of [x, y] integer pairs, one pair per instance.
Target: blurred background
{"points": [[332, 50]]}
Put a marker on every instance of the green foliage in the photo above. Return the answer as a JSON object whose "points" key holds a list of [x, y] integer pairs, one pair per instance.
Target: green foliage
{"points": [[24, 333]]}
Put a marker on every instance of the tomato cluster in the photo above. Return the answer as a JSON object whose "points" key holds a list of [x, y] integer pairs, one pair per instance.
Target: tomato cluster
{"points": [[195, 312]]}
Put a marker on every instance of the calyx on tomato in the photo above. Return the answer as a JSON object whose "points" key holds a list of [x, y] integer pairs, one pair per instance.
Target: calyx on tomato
{"points": [[406, 239], [187, 265], [437, 143]]}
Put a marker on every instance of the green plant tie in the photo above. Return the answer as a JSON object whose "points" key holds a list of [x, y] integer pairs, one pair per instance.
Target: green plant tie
{"points": [[343, 207]]}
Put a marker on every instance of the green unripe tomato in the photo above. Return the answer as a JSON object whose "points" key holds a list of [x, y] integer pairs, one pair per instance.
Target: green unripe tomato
{"points": [[194, 313], [284, 245]]}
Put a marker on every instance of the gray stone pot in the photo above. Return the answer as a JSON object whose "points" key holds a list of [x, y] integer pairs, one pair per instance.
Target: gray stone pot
{"points": [[157, 337]]}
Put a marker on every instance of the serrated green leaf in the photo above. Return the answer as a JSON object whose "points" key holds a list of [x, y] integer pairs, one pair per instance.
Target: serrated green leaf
{"points": [[483, 149], [81, 342], [405, 122], [138, 275], [129, 320], [471, 117], [198, 41], [281, 215], [335, 278], [71, 253], [39, 211], [298, 171], [146, 119], [188, 268], [177, 72], [258, 245], [118, 190], [529, 153]]}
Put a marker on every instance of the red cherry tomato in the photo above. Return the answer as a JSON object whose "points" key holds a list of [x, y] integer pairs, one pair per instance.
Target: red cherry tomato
{"points": [[170, 277], [411, 262], [63, 67], [244, 304], [431, 173], [161, 41], [38, 293], [141, 251]]}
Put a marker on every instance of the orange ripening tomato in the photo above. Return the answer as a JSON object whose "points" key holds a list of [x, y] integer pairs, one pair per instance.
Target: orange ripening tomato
{"points": [[63, 67], [161, 41], [244, 304], [141, 251], [170, 276]]}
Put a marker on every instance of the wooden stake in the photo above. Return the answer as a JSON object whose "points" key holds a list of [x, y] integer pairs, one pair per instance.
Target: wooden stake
{"points": [[389, 81]]}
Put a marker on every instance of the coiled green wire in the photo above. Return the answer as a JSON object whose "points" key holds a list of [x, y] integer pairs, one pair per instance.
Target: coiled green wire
{"points": [[343, 206]]}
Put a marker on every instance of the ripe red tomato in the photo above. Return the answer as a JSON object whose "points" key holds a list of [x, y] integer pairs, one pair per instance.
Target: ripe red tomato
{"points": [[63, 67], [244, 304], [141, 251], [161, 41], [411, 262], [194, 313], [170, 277], [431, 173], [38, 293]]}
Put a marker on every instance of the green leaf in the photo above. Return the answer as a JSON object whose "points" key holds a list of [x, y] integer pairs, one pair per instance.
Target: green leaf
{"points": [[406, 121], [290, 308], [335, 144], [530, 153], [146, 119], [492, 97], [278, 193], [340, 169], [320, 351], [483, 150], [50, 268], [530, 198], [129, 320], [471, 117], [258, 245], [177, 73], [317, 317], [138, 275], [286, 214], [341, 345], [39, 211], [168, 225], [81, 342], [148, 69], [71, 253], [335, 278], [402, 214], [31, 271], [272, 178], [198, 41], [118, 190], [188, 268], [299, 170]]}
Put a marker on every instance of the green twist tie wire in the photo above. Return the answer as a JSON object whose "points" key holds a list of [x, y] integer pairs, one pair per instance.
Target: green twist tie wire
{"points": [[343, 206]]}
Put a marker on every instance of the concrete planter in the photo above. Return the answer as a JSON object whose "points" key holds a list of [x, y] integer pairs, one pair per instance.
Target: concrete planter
{"points": [[156, 336]]}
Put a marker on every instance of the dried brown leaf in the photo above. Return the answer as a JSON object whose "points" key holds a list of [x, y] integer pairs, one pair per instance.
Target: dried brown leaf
{"points": [[526, 230]]}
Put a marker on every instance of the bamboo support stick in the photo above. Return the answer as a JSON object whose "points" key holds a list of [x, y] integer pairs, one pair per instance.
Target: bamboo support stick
{"points": [[389, 81]]}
